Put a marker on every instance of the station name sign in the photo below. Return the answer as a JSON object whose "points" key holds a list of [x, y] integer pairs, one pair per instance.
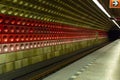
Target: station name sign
{"points": [[114, 3]]}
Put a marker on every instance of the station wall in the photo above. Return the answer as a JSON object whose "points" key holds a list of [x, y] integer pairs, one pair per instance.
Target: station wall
{"points": [[30, 33]]}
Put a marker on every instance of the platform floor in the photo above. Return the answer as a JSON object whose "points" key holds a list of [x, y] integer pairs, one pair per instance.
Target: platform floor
{"points": [[103, 64]]}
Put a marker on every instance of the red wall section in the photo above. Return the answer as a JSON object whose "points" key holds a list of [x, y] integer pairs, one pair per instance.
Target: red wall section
{"points": [[18, 33]]}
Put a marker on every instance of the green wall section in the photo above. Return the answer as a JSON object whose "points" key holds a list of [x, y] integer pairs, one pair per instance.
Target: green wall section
{"points": [[16, 60]]}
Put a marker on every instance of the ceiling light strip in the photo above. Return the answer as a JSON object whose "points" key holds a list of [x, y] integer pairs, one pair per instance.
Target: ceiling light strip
{"points": [[116, 23], [102, 8]]}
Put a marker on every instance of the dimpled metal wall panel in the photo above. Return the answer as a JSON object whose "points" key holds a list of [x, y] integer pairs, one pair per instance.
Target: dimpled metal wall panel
{"points": [[32, 31]]}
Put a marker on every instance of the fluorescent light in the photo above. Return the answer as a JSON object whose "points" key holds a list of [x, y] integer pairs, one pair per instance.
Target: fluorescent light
{"points": [[116, 23], [101, 7]]}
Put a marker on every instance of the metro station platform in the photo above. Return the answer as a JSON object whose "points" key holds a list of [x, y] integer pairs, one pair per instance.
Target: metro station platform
{"points": [[103, 64]]}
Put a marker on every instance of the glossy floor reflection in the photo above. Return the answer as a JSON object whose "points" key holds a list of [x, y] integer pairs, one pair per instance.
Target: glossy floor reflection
{"points": [[103, 64]]}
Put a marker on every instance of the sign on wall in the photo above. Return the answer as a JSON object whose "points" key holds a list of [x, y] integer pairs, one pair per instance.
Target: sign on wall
{"points": [[114, 3]]}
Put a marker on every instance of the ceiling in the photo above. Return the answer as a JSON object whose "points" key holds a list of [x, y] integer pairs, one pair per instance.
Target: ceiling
{"points": [[80, 13], [115, 12], [94, 16]]}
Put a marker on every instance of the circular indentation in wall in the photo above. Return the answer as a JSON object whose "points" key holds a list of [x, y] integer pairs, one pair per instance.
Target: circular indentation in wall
{"points": [[5, 48], [17, 47], [12, 48], [22, 46]]}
